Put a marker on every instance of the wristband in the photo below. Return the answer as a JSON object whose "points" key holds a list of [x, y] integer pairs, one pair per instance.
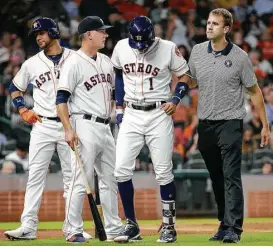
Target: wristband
{"points": [[19, 102]]}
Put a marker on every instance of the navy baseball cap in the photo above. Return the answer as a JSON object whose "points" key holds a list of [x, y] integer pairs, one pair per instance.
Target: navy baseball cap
{"points": [[91, 23]]}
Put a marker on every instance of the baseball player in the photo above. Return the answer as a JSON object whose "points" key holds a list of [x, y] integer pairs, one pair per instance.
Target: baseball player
{"points": [[144, 65], [87, 80], [42, 71]]}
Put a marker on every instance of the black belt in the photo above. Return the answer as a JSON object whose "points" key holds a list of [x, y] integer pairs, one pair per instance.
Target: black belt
{"points": [[57, 119], [147, 107], [211, 122], [97, 119]]}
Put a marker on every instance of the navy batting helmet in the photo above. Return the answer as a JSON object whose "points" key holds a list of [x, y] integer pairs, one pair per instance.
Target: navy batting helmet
{"points": [[45, 24], [141, 33]]}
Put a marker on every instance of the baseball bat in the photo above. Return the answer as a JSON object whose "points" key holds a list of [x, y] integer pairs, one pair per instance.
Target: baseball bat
{"points": [[94, 210], [97, 199]]}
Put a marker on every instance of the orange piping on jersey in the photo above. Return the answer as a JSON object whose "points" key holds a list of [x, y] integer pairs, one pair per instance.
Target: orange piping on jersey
{"points": [[54, 84], [145, 54], [106, 108], [142, 83], [135, 72], [95, 69], [64, 58]]}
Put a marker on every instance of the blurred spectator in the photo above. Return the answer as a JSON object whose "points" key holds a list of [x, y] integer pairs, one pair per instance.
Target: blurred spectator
{"points": [[71, 8], [266, 44], [129, 9], [203, 9], [253, 26], [158, 31], [183, 6], [248, 145], [5, 43], [241, 10], [263, 7], [160, 11], [8, 167], [258, 62], [227, 4], [19, 156], [200, 35], [177, 30], [17, 53], [178, 142], [267, 166], [53, 9], [109, 14], [191, 21], [237, 38], [192, 145], [256, 125], [3, 138], [269, 105]]}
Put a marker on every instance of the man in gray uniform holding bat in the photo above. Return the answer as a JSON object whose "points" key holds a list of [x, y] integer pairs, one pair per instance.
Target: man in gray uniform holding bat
{"points": [[88, 80]]}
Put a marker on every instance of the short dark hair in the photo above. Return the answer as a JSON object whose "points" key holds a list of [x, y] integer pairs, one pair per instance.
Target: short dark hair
{"points": [[228, 19], [22, 145]]}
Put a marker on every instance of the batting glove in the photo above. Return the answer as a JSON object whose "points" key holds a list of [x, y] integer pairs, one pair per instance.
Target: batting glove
{"points": [[29, 116], [119, 116]]}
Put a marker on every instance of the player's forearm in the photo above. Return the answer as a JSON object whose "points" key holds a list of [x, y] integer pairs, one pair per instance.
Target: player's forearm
{"points": [[258, 102], [63, 113], [187, 78], [16, 94], [17, 99]]}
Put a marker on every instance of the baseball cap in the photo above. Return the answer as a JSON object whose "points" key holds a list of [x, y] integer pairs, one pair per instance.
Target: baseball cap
{"points": [[91, 23]]}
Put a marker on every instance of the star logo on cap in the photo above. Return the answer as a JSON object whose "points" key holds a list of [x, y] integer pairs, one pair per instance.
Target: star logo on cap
{"points": [[36, 25], [138, 37]]}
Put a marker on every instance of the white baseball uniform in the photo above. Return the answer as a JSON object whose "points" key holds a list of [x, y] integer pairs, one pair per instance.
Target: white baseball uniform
{"points": [[147, 77], [40, 71], [90, 83]]}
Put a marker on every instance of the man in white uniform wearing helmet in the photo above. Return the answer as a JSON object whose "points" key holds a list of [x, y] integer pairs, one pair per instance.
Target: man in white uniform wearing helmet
{"points": [[144, 65], [87, 81], [42, 71]]}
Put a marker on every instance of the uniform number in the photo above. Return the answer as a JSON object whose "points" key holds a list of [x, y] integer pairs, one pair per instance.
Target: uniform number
{"points": [[151, 84]]}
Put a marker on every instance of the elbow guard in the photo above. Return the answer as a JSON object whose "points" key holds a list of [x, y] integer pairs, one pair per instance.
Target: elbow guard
{"points": [[180, 91], [119, 88]]}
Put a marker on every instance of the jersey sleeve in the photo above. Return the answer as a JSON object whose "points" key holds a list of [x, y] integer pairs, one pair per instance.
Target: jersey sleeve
{"points": [[22, 78], [178, 63], [115, 57], [248, 77], [68, 76]]}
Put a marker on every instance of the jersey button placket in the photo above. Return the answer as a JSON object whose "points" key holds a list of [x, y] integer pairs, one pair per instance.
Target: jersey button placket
{"points": [[214, 76]]}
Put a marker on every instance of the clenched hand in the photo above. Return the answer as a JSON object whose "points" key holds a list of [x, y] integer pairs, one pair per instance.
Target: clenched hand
{"points": [[169, 108]]}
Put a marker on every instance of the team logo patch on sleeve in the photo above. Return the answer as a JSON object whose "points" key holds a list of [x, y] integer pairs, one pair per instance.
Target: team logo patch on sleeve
{"points": [[177, 52], [228, 63]]}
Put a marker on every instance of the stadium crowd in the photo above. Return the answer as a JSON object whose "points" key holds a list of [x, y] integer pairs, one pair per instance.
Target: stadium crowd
{"points": [[183, 22]]}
